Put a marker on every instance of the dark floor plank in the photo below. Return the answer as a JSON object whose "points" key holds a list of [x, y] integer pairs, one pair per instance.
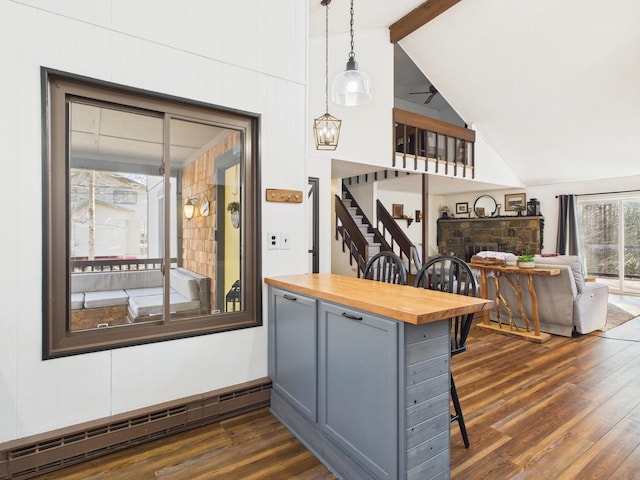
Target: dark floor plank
{"points": [[566, 409]]}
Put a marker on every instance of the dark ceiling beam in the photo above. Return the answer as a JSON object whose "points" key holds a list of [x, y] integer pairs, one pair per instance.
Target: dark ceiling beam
{"points": [[418, 17]]}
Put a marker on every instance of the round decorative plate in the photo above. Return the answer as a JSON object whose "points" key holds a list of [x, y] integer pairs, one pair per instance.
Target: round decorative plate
{"points": [[204, 208]]}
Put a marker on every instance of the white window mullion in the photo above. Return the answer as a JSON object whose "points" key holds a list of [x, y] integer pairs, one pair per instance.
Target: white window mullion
{"points": [[621, 247]]}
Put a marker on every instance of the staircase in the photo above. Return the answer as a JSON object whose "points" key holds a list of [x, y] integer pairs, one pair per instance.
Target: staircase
{"points": [[364, 226], [359, 236]]}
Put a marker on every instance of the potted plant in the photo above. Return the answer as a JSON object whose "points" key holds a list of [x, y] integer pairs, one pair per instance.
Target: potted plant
{"points": [[526, 260], [234, 210]]}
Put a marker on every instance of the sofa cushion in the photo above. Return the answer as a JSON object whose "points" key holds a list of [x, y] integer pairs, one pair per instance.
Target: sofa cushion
{"points": [[572, 261], [77, 301], [105, 298], [140, 292], [145, 305], [185, 285], [96, 281], [204, 287]]}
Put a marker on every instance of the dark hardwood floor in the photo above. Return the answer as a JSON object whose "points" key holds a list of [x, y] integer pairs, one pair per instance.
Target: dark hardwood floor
{"points": [[565, 409], [251, 446]]}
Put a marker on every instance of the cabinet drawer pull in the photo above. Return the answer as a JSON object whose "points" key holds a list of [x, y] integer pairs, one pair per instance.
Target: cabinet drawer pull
{"points": [[351, 317], [290, 297]]}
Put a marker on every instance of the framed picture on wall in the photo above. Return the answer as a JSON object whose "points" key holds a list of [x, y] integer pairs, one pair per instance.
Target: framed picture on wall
{"points": [[514, 202], [397, 210], [462, 208]]}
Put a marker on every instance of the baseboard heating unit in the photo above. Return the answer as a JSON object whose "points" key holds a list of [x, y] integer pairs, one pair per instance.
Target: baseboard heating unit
{"points": [[38, 454]]}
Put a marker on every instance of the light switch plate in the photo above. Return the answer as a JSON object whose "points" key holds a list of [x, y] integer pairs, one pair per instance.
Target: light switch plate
{"points": [[285, 240]]}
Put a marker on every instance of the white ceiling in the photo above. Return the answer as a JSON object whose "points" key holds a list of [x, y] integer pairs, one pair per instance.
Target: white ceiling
{"points": [[367, 14], [554, 86], [122, 137]]}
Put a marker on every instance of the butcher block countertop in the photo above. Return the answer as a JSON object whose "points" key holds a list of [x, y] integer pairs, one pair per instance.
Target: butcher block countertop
{"points": [[407, 304]]}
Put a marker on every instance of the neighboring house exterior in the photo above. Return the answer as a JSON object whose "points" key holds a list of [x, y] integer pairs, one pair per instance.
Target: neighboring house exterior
{"points": [[113, 223]]}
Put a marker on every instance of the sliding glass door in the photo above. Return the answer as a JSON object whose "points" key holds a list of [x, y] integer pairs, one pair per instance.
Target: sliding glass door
{"points": [[610, 240]]}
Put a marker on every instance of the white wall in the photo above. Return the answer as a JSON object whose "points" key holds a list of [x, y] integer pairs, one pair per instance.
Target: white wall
{"points": [[366, 130], [490, 167], [407, 191], [365, 194], [244, 55], [366, 133]]}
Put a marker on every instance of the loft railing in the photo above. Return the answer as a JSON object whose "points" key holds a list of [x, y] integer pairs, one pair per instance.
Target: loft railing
{"points": [[448, 148], [398, 237]]}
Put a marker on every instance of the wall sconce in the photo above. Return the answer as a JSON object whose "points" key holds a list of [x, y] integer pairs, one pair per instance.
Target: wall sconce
{"points": [[189, 208]]}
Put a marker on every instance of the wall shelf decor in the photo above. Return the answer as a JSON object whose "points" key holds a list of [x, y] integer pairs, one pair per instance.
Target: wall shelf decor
{"points": [[462, 208], [514, 202], [397, 210]]}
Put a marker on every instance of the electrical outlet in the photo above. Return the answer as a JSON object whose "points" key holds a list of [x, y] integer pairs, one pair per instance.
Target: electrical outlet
{"points": [[273, 240], [285, 241]]}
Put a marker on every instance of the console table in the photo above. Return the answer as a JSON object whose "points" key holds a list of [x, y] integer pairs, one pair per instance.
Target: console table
{"points": [[360, 372], [512, 275]]}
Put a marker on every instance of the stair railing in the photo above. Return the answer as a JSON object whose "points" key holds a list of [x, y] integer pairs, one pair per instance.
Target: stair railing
{"points": [[377, 236], [398, 237], [352, 237]]}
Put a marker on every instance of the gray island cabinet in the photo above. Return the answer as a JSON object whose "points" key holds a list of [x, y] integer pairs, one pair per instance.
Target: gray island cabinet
{"points": [[364, 388]]}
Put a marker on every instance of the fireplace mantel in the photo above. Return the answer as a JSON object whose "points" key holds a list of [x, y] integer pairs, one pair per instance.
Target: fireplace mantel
{"points": [[463, 237]]}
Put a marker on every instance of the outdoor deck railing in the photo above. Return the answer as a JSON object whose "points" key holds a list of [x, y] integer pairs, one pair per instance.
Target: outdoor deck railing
{"points": [[118, 264]]}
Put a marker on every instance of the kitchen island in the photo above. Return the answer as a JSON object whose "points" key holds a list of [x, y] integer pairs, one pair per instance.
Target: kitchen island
{"points": [[360, 372]]}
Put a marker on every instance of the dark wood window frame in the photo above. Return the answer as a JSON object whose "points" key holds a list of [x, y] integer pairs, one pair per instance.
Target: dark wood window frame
{"points": [[58, 339]]}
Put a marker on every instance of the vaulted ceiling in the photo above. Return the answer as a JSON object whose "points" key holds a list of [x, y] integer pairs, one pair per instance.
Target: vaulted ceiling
{"points": [[553, 86]]}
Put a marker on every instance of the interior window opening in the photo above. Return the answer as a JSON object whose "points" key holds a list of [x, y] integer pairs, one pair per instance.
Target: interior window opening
{"points": [[157, 232]]}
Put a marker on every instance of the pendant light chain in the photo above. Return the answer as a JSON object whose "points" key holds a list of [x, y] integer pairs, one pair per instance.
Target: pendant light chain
{"points": [[352, 87], [326, 60], [352, 53], [326, 128]]}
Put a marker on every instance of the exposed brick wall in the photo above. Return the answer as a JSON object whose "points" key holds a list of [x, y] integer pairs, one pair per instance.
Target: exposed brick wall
{"points": [[505, 234], [198, 181]]}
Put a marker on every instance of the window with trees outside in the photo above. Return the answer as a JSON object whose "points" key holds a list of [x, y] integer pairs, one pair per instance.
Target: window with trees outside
{"points": [[609, 227], [150, 217]]}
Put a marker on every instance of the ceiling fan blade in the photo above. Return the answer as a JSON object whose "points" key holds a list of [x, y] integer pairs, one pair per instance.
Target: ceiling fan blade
{"points": [[429, 98], [417, 93]]}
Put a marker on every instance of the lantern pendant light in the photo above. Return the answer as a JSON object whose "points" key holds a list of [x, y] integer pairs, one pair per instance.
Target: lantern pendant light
{"points": [[351, 87], [326, 128]]}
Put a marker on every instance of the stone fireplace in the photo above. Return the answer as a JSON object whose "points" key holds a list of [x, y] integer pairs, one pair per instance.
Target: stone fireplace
{"points": [[464, 237]]}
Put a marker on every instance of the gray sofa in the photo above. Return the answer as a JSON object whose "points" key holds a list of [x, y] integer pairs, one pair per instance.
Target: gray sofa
{"points": [[141, 291], [566, 303]]}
